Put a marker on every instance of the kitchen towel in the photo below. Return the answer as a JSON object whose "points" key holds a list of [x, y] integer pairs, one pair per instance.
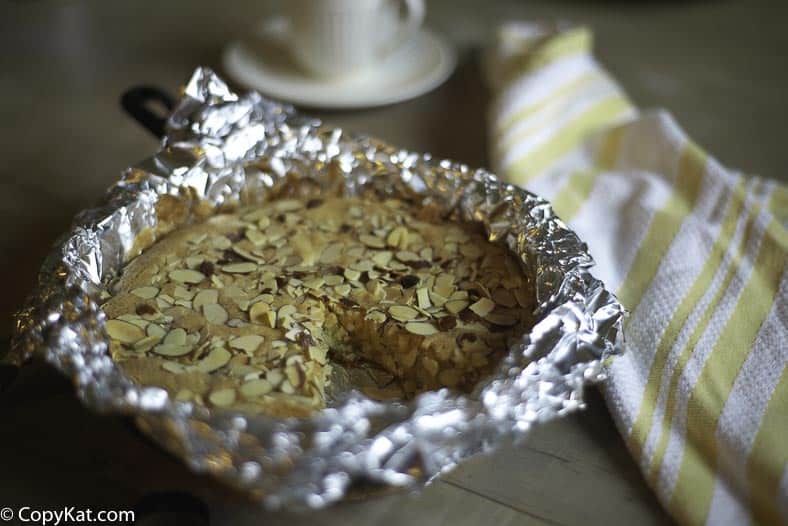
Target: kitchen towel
{"points": [[695, 251]]}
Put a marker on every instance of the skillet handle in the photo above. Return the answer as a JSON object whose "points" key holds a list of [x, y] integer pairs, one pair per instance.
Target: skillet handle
{"points": [[8, 373], [139, 101]]}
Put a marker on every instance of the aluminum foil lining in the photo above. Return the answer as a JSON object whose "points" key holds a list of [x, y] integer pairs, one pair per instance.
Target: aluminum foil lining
{"points": [[222, 148]]}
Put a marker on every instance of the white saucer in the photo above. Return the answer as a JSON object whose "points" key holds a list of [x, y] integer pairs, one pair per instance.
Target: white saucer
{"points": [[262, 62]]}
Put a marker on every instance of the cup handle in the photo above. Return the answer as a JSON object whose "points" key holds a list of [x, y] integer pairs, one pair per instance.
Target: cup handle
{"points": [[414, 17]]}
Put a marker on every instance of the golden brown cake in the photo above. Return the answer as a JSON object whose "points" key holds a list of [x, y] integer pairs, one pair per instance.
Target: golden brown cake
{"points": [[250, 310]]}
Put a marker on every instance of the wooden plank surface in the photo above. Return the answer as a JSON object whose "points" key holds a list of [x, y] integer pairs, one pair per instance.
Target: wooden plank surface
{"points": [[64, 140]]}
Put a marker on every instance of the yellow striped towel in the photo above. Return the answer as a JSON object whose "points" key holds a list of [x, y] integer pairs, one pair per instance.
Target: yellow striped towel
{"points": [[694, 250]]}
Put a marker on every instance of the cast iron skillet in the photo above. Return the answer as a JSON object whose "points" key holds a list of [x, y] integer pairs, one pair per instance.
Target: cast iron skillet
{"points": [[140, 101], [149, 106]]}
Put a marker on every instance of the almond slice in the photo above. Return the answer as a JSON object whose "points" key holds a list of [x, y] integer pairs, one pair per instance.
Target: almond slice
{"points": [[275, 377], [205, 297], [173, 367], [257, 238], [222, 397], [352, 275], [216, 359], [398, 237], [215, 314], [376, 316], [333, 280], [187, 276], [145, 293], [372, 241], [421, 328], [240, 268], [175, 337], [258, 312], [382, 258], [407, 256], [483, 307], [255, 388], [423, 295], [169, 349], [146, 344], [124, 331], [403, 313], [248, 343], [343, 290]]}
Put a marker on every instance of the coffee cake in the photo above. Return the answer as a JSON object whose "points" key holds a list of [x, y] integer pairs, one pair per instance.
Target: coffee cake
{"points": [[256, 310]]}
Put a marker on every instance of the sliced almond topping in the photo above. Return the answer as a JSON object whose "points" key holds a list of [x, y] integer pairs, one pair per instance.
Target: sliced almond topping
{"points": [[372, 241], [258, 312], [173, 367], [421, 328], [287, 205], [124, 332], [257, 238], [275, 377], [406, 256], [255, 388], [240, 268], [423, 295], [331, 253], [176, 337], [286, 311], [205, 297], [187, 276], [333, 280], [376, 316], [444, 285], [309, 278], [263, 223], [182, 293], [318, 354], [343, 290], [216, 359], [483, 307], [352, 275], [222, 397], [403, 313], [146, 343], [398, 238], [437, 299], [215, 313], [194, 261], [382, 258], [169, 349], [455, 306], [314, 283], [248, 343], [134, 320], [145, 293], [155, 331]]}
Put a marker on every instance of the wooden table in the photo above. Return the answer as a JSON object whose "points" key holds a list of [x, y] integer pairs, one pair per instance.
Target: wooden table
{"points": [[64, 139]]}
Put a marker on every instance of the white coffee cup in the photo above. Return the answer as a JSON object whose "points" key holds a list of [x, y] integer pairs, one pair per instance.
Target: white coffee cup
{"points": [[334, 38]]}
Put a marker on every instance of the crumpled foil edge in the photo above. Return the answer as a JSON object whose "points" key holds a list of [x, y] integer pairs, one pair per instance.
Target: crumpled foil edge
{"points": [[215, 140]]}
